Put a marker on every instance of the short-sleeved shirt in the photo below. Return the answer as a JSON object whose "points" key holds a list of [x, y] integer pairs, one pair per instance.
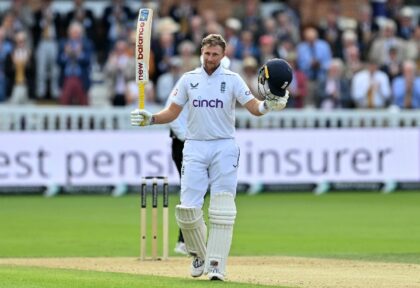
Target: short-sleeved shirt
{"points": [[211, 101]]}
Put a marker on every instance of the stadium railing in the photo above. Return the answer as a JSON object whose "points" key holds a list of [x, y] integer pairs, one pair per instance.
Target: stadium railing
{"points": [[31, 118]]}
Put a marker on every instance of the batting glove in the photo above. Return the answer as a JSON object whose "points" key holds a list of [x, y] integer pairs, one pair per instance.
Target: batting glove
{"points": [[141, 118], [277, 103]]}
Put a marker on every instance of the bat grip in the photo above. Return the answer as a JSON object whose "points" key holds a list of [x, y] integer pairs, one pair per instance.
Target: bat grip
{"points": [[141, 95]]}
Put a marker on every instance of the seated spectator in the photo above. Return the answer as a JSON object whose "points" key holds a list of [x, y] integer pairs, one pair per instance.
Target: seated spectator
{"points": [[370, 88], [352, 62], [74, 59], [20, 69], [119, 70], [406, 88], [334, 91]]}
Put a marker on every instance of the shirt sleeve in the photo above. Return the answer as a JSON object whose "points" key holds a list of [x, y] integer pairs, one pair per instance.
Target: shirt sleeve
{"points": [[242, 92], [179, 93]]}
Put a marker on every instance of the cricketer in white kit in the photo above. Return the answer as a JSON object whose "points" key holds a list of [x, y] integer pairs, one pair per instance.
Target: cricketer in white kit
{"points": [[211, 155]]}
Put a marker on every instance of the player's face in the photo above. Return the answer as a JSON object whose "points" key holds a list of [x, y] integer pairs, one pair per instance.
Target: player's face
{"points": [[212, 55]]}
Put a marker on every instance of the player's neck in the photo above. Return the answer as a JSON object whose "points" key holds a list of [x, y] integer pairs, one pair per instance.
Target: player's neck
{"points": [[210, 71]]}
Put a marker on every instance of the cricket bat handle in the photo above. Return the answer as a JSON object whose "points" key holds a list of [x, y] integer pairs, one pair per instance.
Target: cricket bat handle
{"points": [[141, 95]]}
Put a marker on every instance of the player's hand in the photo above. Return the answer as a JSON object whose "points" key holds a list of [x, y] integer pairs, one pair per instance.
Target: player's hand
{"points": [[277, 103], [141, 118]]}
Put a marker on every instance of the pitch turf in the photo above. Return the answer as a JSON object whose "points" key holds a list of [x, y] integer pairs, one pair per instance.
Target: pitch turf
{"points": [[367, 226]]}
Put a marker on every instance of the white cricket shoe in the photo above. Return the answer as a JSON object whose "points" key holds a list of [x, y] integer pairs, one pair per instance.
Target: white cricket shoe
{"points": [[197, 267], [214, 274], [180, 248]]}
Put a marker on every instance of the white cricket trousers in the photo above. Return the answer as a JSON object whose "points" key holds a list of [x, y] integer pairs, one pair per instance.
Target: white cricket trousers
{"points": [[214, 163]]}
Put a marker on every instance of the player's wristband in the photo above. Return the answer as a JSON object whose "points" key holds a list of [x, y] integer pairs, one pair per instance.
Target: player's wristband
{"points": [[262, 107], [152, 120]]}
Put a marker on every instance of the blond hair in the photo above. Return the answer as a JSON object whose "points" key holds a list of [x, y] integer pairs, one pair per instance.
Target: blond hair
{"points": [[214, 40]]}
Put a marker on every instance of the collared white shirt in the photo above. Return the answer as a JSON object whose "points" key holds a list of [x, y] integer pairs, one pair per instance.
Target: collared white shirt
{"points": [[211, 101], [360, 86]]}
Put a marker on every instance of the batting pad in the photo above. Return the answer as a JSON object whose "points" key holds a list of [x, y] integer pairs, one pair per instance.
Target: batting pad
{"points": [[193, 228], [222, 214]]}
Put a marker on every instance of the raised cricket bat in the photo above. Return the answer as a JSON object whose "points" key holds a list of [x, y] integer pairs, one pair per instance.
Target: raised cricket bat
{"points": [[144, 33]]}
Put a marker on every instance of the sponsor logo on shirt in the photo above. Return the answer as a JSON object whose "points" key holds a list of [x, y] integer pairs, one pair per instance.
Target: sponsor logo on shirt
{"points": [[194, 86], [207, 103]]}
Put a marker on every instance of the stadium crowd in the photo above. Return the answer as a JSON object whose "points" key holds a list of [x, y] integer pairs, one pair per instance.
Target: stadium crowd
{"points": [[371, 61]]}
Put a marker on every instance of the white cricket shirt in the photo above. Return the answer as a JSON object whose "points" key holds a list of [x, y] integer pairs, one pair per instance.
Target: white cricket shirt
{"points": [[211, 101]]}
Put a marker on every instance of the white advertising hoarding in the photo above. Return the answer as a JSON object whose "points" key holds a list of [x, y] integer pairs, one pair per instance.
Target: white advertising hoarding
{"points": [[268, 156]]}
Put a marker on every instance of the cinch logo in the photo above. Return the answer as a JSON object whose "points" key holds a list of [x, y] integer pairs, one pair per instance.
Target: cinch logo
{"points": [[214, 103]]}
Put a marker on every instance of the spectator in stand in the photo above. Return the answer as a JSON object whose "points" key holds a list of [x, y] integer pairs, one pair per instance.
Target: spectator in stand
{"points": [[46, 36], [299, 86], [313, 59], [406, 23], [250, 74], [116, 21], [20, 69], [232, 28], [406, 88], [387, 39], [9, 25], [413, 46], [246, 46], [182, 12], [74, 59], [165, 46], [5, 49], [267, 48], [235, 64], [285, 47], [334, 91], [286, 27], [367, 30], [23, 18], [330, 31], [393, 66], [167, 81], [188, 57], [370, 88], [119, 70], [85, 16], [196, 30], [252, 20], [352, 62], [348, 39]]}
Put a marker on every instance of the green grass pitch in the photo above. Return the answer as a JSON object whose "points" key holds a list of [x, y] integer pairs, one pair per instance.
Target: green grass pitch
{"points": [[366, 226]]}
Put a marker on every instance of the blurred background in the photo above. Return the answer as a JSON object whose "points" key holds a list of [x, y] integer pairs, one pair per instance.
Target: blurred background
{"points": [[67, 84]]}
